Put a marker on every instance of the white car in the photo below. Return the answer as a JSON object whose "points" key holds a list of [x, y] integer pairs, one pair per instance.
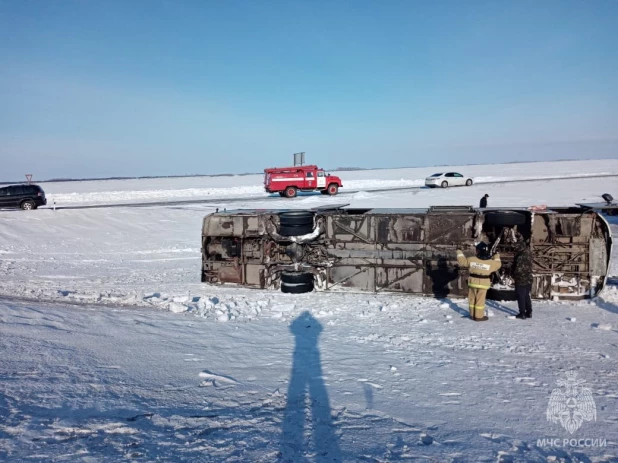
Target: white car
{"points": [[447, 179]]}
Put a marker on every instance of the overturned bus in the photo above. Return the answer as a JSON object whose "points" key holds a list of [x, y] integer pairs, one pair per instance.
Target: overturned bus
{"points": [[405, 250]]}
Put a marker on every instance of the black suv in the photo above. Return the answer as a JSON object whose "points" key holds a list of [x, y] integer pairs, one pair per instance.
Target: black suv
{"points": [[25, 196]]}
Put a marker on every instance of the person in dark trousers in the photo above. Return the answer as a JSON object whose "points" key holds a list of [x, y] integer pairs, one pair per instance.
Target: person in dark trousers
{"points": [[522, 274], [484, 201]]}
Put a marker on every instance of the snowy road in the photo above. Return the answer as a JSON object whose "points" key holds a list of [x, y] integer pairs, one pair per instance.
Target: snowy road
{"points": [[113, 349], [164, 190], [344, 193]]}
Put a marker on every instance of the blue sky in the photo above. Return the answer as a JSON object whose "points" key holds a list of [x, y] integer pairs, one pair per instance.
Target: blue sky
{"points": [[163, 87]]}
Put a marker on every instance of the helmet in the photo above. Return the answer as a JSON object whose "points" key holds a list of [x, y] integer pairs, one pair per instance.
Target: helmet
{"points": [[482, 251]]}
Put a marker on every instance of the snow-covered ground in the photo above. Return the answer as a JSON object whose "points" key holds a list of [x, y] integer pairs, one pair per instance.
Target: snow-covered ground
{"points": [[193, 188], [113, 349]]}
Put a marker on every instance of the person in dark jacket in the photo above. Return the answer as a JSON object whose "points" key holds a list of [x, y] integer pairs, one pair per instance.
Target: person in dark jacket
{"points": [[522, 274], [484, 201]]}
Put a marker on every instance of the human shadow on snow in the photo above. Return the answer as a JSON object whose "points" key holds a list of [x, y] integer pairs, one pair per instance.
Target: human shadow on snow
{"points": [[501, 308], [606, 305], [455, 308], [441, 276], [308, 413]]}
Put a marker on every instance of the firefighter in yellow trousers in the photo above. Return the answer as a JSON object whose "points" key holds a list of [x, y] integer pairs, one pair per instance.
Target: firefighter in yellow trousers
{"points": [[481, 267]]}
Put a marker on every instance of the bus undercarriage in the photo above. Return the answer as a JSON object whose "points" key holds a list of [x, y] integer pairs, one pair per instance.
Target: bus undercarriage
{"points": [[404, 250]]}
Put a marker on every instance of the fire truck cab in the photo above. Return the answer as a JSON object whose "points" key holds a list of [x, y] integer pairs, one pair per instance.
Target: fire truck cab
{"points": [[287, 181]]}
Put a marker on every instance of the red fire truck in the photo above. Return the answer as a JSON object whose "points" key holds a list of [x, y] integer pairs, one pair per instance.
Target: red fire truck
{"points": [[288, 180]]}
